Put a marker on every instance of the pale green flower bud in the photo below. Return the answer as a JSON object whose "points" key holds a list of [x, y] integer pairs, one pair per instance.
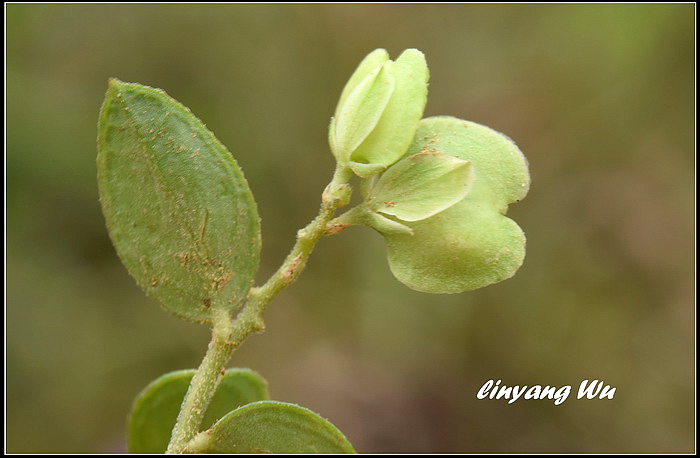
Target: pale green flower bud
{"points": [[379, 110]]}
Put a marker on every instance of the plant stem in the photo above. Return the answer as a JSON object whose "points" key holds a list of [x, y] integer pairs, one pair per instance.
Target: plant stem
{"points": [[203, 384], [226, 336], [306, 240]]}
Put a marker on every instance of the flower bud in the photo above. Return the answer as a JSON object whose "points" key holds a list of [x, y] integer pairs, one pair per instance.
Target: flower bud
{"points": [[379, 110]]}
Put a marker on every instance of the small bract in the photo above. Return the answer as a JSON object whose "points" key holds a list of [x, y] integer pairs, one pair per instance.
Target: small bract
{"points": [[421, 186]]}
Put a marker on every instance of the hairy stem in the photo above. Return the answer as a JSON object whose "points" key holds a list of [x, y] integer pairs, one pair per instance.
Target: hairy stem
{"points": [[306, 240], [226, 336], [203, 384]]}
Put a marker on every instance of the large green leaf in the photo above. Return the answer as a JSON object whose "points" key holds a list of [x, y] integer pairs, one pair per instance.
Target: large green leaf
{"points": [[271, 427], [471, 244], [155, 409], [178, 209]]}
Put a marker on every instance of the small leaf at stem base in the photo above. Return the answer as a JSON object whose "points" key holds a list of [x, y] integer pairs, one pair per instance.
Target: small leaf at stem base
{"points": [[155, 409], [272, 427]]}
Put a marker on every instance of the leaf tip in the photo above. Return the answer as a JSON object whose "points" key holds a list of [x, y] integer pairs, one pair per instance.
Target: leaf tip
{"points": [[115, 84]]}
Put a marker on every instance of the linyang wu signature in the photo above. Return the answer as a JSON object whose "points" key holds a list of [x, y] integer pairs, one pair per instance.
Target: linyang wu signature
{"points": [[593, 389]]}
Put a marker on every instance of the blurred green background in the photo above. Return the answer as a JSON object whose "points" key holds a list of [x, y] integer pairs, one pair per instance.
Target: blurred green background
{"points": [[599, 97]]}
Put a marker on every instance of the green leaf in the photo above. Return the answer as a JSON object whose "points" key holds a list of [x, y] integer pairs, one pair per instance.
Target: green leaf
{"points": [[360, 111], [393, 133], [421, 185], [471, 244], [271, 427], [155, 409], [178, 209]]}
